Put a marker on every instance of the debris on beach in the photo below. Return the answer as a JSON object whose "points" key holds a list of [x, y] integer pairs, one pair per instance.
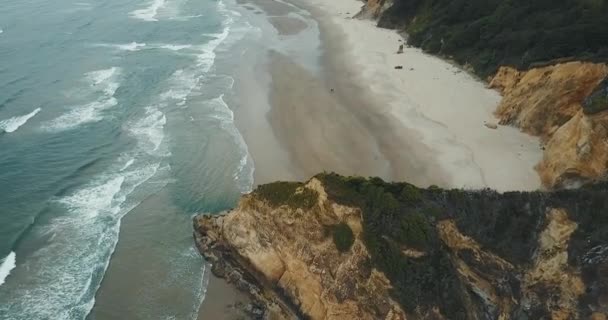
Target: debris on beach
{"points": [[491, 125]]}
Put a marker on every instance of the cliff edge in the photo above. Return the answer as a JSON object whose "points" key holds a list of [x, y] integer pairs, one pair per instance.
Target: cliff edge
{"points": [[353, 248], [566, 105], [282, 253]]}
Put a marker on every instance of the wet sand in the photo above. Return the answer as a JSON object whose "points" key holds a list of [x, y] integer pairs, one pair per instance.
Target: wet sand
{"points": [[223, 301], [287, 25]]}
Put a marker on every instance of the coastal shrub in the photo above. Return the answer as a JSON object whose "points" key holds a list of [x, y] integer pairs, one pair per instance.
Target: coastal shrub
{"points": [[343, 236], [303, 198], [489, 33], [277, 193], [504, 224], [410, 194], [414, 230], [343, 189], [292, 194], [598, 100]]}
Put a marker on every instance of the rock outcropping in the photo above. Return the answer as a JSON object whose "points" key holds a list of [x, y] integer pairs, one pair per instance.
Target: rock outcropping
{"points": [[285, 258], [374, 8], [552, 102], [351, 248]]}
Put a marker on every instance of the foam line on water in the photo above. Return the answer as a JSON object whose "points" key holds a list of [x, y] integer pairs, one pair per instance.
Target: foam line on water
{"points": [[127, 165], [149, 130], [150, 12], [184, 81], [173, 47], [104, 80], [88, 113], [244, 171], [12, 124], [136, 46], [101, 87], [133, 46], [8, 264]]}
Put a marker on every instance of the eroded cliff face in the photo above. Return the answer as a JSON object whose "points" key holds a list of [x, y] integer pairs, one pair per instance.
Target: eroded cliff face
{"points": [[481, 255], [374, 8], [549, 102], [290, 254]]}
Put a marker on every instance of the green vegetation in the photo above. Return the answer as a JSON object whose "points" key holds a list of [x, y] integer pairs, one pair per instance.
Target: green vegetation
{"points": [[410, 194], [393, 221], [491, 33], [399, 216], [598, 100], [292, 194], [343, 236]]}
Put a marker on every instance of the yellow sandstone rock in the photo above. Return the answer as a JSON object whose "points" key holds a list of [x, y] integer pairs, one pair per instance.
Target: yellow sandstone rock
{"points": [[547, 102]]}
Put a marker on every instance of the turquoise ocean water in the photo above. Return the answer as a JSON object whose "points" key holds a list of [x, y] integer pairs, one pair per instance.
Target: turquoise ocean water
{"points": [[113, 126]]}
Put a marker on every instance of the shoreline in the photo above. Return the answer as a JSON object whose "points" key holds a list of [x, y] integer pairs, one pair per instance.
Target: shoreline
{"points": [[444, 106], [358, 115]]}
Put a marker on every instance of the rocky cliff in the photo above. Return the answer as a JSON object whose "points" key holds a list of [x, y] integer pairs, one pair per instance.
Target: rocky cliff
{"points": [[283, 254], [567, 106], [374, 9], [353, 248]]}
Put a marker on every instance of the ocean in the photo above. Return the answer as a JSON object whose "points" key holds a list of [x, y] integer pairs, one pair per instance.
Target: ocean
{"points": [[114, 132]]}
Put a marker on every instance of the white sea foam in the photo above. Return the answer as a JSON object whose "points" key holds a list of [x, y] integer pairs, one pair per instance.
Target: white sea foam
{"points": [[149, 130], [104, 80], [95, 200], [149, 13], [243, 173], [186, 18], [12, 124], [91, 112], [133, 46], [8, 264], [127, 165], [102, 85], [184, 81], [174, 47], [206, 57], [181, 84]]}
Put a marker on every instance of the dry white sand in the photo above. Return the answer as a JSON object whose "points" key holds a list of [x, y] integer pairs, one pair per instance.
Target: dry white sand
{"points": [[446, 106]]}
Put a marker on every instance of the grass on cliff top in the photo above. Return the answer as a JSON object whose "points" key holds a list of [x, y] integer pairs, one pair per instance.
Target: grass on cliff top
{"points": [[292, 194]]}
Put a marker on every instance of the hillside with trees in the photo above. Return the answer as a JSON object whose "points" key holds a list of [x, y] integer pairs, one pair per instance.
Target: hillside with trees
{"points": [[490, 33]]}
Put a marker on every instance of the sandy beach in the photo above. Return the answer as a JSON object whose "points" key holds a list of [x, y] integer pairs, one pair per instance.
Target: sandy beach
{"points": [[359, 115], [443, 104]]}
